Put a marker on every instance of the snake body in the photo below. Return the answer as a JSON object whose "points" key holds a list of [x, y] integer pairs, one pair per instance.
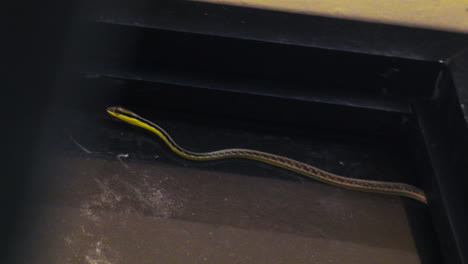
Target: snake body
{"points": [[390, 188]]}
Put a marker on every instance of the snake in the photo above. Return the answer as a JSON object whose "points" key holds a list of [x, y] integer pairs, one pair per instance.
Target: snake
{"points": [[381, 187]]}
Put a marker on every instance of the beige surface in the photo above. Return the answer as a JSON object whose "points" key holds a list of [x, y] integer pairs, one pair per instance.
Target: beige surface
{"points": [[450, 15]]}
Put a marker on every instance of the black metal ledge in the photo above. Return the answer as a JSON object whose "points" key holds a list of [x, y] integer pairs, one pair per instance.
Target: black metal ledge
{"points": [[281, 27]]}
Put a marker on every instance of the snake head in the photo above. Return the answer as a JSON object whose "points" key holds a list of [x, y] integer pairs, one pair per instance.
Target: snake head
{"points": [[117, 111]]}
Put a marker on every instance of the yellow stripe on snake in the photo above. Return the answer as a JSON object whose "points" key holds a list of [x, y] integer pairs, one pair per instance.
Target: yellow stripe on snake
{"points": [[391, 188]]}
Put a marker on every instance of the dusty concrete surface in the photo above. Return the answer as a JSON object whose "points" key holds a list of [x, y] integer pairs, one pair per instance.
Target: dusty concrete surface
{"points": [[114, 211]]}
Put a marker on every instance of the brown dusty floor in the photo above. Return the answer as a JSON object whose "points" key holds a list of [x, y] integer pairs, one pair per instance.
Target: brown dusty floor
{"points": [[102, 211]]}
